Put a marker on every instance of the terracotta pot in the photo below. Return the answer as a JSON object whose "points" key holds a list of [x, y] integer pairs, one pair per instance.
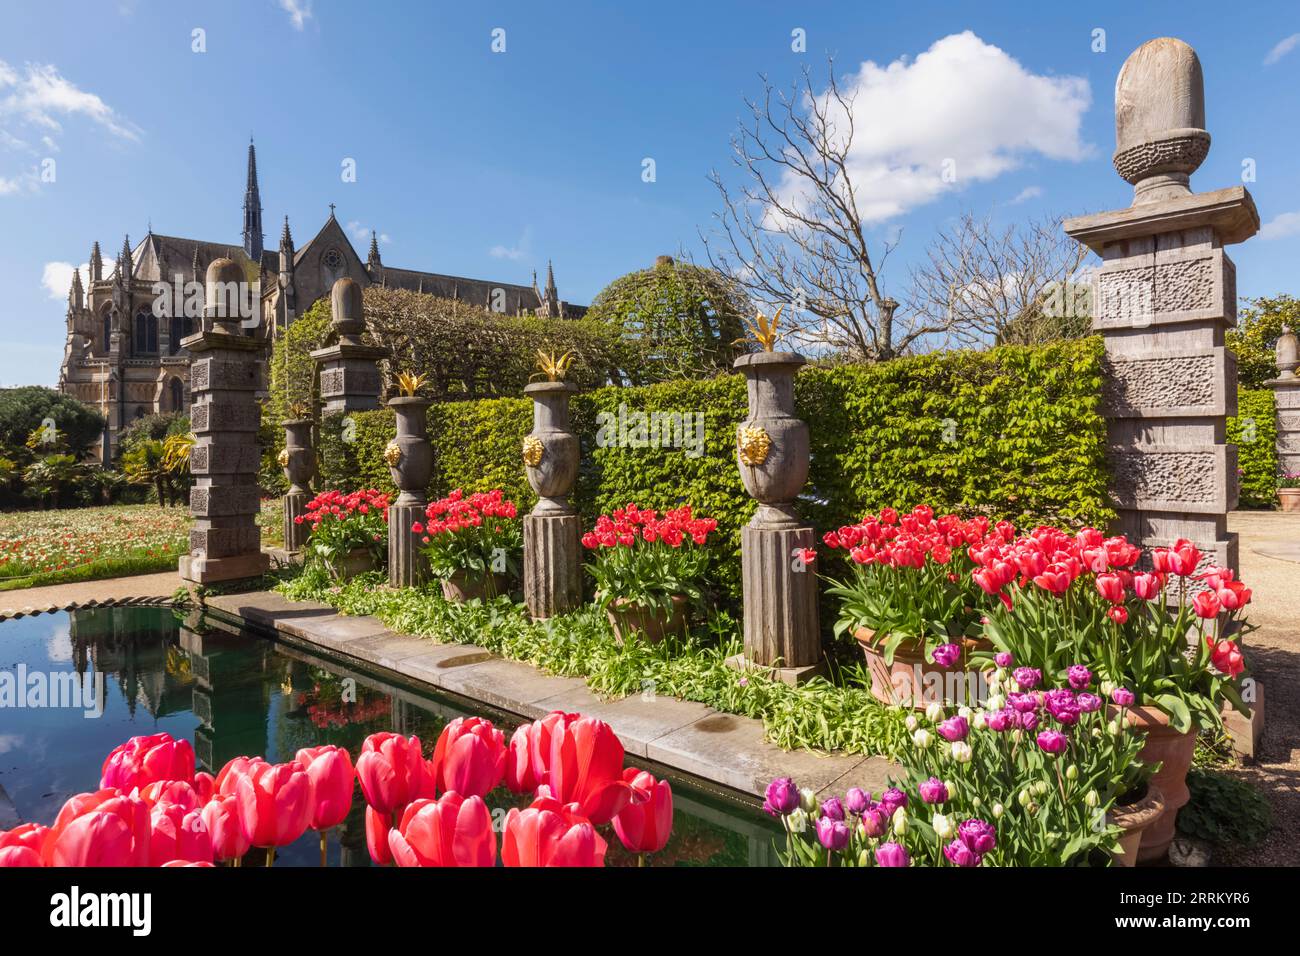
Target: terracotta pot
{"points": [[1173, 751], [467, 585], [1288, 499], [632, 621], [1135, 819], [904, 681], [351, 564]]}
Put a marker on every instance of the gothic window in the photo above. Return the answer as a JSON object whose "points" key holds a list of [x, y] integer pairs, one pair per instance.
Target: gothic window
{"points": [[146, 333], [177, 395], [181, 326], [108, 332], [333, 267]]}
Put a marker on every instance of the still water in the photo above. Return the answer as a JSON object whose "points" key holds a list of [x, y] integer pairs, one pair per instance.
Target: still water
{"points": [[238, 694]]}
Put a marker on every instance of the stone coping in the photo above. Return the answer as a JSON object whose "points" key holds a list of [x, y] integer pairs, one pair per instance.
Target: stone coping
{"points": [[152, 600], [723, 749]]}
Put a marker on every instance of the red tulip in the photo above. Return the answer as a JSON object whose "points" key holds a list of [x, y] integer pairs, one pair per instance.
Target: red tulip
{"points": [[1111, 587], [1226, 657], [143, 760], [333, 779], [1183, 557], [586, 768], [549, 833], [1206, 604], [18, 856], [530, 752], [205, 785], [221, 817], [22, 845], [275, 804], [378, 826], [228, 776], [180, 863], [519, 764], [392, 771], [176, 792], [178, 834], [450, 831], [645, 824], [105, 828], [469, 758]]}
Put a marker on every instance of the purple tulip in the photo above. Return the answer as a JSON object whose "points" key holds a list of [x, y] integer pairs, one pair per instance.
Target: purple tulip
{"points": [[1002, 720], [892, 854], [1028, 721], [892, 799], [1023, 703], [1089, 702], [875, 821], [933, 791], [961, 855], [978, 836], [782, 797], [953, 729], [832, 834], [946, 655], [833, 809], [1003, 659], [1027, 677], [1079, 676], [1122, 697], [857, 800], [1062, 705], [1053, 742]]}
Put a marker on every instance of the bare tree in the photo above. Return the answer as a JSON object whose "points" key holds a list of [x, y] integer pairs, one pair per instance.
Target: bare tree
{"points": [[794, 234], [1001, 285]]}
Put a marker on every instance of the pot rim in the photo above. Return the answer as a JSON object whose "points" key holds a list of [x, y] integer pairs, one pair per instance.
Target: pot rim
{"points": [[750, 359], [533, 388], [678, 600], [400, 401], [916, 645], [1143, 813]]}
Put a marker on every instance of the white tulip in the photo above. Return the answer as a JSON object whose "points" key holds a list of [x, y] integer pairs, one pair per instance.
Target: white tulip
{"points": [[1091, 798], [921, 738], [808, 799], [997, 810], [934, 713], [900, 821], [961, 752], [942, 826], [798, 820], [910, 723]]}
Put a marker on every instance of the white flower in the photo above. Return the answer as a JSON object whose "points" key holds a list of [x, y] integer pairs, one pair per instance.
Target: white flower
{"points": [[964, 712], [978, 721], [1091, 798], [1072, 772], [934, 713], [961, 752], [911, 722], [997, 810], [921, 738], [994, 703], [808, 799], [798, 820], [900, 821], [942, 826]]}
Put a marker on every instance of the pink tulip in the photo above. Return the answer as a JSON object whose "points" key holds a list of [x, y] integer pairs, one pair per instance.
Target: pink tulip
{"points": [[221, 817], [186, 863], [178, 834], [519, 765], [450, 831], [275, 804], [22, 845], [333, 779], [228, 776], [586, 768], [645, 824], [378, 826], [104, 828], [205, 785], [176, 792], [469, 758], [530, 752], [13, 857], [392, 772], [143, 760], [549, 833]]}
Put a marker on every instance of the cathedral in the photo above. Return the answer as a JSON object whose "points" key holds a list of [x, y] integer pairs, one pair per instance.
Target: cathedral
{"points": [[123, 352]]}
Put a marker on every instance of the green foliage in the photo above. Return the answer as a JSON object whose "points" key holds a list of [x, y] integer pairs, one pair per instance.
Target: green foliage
{"points": [[1254, 432], [1224, 809], [156, 427], [22, 410], [1254, 339], [48, 477]]}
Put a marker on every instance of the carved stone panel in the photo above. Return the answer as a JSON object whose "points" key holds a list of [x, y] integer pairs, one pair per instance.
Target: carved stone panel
{"points": [[1198, 479], [1168, 383]]}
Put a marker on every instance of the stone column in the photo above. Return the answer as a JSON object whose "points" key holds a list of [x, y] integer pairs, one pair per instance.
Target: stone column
{"points": [[553, 531], [349, 371], [410, 462], [1286, 394], [298, 459], [225, 374], [780, 592], [1163, 298]]}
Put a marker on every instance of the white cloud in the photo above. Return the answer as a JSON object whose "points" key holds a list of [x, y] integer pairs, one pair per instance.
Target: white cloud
{"points": [[57, 278], [963, 107], [1282, 48], [299, 12], [41, 97], [1026, 194], [1280, 226], [23, 183], [361, 233], [522, 249]]}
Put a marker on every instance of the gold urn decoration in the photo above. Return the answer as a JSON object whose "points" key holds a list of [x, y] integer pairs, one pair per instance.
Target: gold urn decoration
{"points": [[393, 454], [533, 449], [283, 458], [753, 443]]}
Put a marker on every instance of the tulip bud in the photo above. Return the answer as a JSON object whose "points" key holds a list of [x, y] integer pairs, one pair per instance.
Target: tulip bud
{"points": [[934, 713], [997, 810], [910, 723], [964, 712], [1106, 687], [1033, 809], [1040, 787], [921, 738], [1091, 798], [864, 858], [1072, 772], [1113, 727], [900, 821], [942, 826], [1024, 798], [961, 752], [978, 721], [808, 800], [798, 820], [975, 801], [995, 702], [1000, 674]]}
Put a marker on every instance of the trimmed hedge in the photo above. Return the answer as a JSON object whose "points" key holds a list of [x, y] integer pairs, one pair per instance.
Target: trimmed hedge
{"points": [[1013, 432], [1254, 432]]}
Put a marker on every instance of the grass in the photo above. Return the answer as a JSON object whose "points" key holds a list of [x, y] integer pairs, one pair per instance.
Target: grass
{"points": [[819, 715]]}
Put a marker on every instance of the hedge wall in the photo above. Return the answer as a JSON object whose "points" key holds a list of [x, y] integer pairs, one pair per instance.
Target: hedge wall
{"points": [[1012, 432], [1254, 432]]}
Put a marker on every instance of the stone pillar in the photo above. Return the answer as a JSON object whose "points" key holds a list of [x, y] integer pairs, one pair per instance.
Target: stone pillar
{"points": [[298, 459], [225, 374], [1286, 393], [410, 462], [780, 592], [553, 531], [1164, 296], [349, 371]]}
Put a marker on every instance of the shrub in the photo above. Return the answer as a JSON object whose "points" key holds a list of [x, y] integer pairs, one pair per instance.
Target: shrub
{"points": [[22, 410], [1254, 432]]}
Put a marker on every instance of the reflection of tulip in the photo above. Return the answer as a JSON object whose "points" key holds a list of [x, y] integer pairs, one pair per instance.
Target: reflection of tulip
{"points": [[221, 816], [275, 804], [549, 833], [333, 779], [178, 834], [105, 828], [469, 758], [645, 824], [22, 845], [392, 771], [143, 760], [587, 769], [450, 831], [378, 826]]}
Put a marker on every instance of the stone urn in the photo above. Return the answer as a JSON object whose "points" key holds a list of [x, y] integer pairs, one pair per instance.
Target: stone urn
{"points": [[772, 444], [298, 458], [551, 450], [409, 455]]}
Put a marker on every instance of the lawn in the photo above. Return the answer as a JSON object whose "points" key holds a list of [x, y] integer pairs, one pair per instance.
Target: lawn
{"points": [[85, 544]]}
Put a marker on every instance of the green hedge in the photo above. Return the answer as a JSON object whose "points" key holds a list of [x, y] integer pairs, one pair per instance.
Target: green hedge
{"points": [[1013, 432], [1254, 432]]}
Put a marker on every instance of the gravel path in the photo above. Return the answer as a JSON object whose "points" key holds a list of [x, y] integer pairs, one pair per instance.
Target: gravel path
{"points": [[162, 584]]}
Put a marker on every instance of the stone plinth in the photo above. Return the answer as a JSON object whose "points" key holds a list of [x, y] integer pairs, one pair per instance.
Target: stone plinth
{"points": [[1164, 296], [349, 371], [552, 533], [410, 464], [552, 564], [294, 504], [407, 565], [1286, 394], [298, 459]]}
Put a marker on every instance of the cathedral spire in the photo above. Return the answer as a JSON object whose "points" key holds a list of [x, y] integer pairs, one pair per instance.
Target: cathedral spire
{"points": [[125, 267], [252, 209], [96, 263], [75, 293], [286, 237], [372, 259], [551, 292], [194, 265]]}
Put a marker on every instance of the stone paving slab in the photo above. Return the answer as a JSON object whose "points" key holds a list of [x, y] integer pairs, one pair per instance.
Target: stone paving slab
{"points": [[636, 720], [508, 685]]}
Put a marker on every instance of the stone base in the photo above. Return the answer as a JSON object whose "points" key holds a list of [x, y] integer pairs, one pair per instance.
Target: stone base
{"points": [[794, 676], [201, 569], [552, 564], [780, 598], [295, 535], [1246, 733], [407, 565]]}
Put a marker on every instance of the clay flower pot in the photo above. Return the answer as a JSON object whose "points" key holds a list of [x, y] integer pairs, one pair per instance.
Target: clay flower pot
{"points": [[551, 450], [633, 622], [468, 585], [355, 562], [1173, 751], [1134, 819], [1288, 499], [904, 682], [298, 459], [409, 455]]}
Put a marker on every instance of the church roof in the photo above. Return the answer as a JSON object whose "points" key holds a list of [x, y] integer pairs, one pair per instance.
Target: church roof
{"points": [[177, 254]]}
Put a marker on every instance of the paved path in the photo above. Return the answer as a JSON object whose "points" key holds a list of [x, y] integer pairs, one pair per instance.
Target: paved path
{"points": [[58, 596]]}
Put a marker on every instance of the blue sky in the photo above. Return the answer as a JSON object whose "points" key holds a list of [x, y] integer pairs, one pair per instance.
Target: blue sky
{"points": [[486, 164]]}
